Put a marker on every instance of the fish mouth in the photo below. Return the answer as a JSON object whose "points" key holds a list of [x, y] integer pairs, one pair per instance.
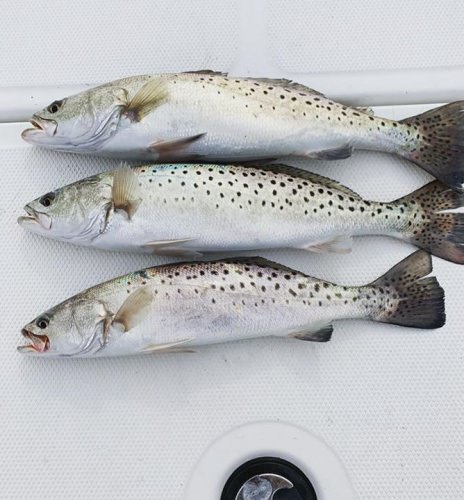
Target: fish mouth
{"points": [[30, 218], [36, 124], [37, 343], [34, 218], [40, 127]]}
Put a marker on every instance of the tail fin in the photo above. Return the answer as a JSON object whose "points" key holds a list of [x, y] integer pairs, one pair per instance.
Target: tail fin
{"points": [[430, 227], [440, 150], [412, 300]]}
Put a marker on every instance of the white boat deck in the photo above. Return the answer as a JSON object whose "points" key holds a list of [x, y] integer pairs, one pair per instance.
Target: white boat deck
{"points": [[388, 401]]}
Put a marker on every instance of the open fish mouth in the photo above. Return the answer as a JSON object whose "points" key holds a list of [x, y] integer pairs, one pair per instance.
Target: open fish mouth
{"points": [[40, 127], [36, 124], [34, 218], [30, 218], [37, 343]]}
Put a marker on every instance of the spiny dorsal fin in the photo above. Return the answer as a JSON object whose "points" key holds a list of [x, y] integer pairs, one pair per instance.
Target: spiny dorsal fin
{"points": [[126, 191], [151, 95], [304, 174], [134, 309], [206, 72], [366, 110]]}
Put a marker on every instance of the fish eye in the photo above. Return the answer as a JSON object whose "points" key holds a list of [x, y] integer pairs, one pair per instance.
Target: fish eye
{"points": [[47, 199], [55, 106], [42, 322]]}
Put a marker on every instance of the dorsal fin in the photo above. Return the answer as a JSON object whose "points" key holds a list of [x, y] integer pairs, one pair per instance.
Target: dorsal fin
{"points": [[277, 82], [280, 168], [285, 83], [367, 110], [260, 262], [241, 259], [207, 72]]}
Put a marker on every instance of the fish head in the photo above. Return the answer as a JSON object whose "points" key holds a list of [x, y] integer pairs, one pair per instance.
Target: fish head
{"points": [[76, 213], [75, 327], [83, 121]]}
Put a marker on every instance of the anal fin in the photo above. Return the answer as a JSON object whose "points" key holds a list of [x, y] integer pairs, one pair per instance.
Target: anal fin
{"points": [[318, 334], [339, 244], [339, 153]]}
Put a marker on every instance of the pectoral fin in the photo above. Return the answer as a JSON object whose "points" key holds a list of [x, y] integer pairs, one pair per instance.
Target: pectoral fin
{"points": [[126, 191], [134, 309], [339, 244], [170, 347], [151, 95], [319, 333]]}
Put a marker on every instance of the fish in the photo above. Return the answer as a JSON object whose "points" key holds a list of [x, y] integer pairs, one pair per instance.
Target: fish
{"points": [[187, 210], [179, 307], [211, 116]]}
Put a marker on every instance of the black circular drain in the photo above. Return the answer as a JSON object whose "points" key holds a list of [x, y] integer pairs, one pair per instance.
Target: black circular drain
{"points": [[302, 487]]}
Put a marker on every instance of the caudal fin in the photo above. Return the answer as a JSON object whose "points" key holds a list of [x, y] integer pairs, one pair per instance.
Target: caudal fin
{"points": [[435, 142], [429, 224], [411, 299]]}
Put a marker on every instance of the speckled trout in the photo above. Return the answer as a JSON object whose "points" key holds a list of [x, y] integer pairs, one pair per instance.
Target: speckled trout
{"points": [[213, 116], [181, 306], [184, 210]]}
